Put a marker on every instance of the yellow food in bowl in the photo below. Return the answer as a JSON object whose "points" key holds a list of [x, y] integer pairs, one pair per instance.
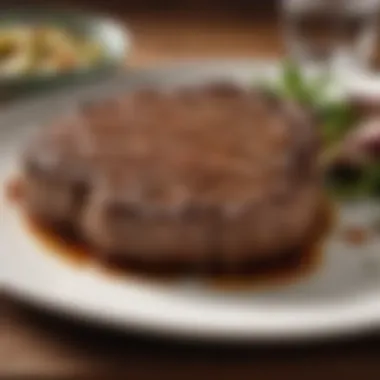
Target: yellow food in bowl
{"points": [[45, 49]]}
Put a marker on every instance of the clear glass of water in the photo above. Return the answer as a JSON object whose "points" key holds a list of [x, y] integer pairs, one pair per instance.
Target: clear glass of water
{"points": [[331, 32]]}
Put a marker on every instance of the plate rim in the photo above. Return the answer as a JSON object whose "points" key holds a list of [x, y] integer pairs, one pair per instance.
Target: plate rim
{"points": [[356, 327]]}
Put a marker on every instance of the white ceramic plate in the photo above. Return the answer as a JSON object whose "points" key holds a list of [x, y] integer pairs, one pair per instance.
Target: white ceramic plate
{"points": [[341, 297]]}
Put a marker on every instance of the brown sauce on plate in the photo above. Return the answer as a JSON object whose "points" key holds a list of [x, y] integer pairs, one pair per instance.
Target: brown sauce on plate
{"points": [[288, 268], [357, 235]]}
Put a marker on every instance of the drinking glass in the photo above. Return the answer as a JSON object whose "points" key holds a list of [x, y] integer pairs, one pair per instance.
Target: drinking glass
{"points": [[331, 32]]}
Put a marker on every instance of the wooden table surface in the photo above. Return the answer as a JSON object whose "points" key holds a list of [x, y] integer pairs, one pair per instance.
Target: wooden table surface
{"points": [[34, 343], [159, 40]]}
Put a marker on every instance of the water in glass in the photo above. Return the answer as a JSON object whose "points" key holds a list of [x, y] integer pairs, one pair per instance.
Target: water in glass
{"points": [[331, 31]]}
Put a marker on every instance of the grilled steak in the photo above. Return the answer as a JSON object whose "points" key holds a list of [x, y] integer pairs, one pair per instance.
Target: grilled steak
{"points": [[194, 176]]}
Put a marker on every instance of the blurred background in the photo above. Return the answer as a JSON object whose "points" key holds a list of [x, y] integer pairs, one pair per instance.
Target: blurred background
{"points": [[180, 29], [152, 5], [169, 29]]}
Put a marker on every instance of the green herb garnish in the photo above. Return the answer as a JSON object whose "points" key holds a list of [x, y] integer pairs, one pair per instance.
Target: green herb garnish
{"points": [[336, 118]]}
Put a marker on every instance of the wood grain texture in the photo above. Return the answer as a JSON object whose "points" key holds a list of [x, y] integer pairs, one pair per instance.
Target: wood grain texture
{"points": [[188, 36], [34, 343], [267, 7]]}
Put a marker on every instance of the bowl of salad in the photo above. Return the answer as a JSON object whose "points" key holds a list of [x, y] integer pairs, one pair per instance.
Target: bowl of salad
{"points": [[40, 48]]}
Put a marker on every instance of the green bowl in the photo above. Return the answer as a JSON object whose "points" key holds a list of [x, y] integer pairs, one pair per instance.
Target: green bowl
{"points": [[114, 38]]}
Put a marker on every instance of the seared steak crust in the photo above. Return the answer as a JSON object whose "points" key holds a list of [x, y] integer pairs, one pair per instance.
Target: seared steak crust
{"points": [[192, 176]]}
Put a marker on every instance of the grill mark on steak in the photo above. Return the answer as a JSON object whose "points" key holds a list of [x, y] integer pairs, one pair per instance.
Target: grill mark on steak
{"points": [[205, 176]]}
